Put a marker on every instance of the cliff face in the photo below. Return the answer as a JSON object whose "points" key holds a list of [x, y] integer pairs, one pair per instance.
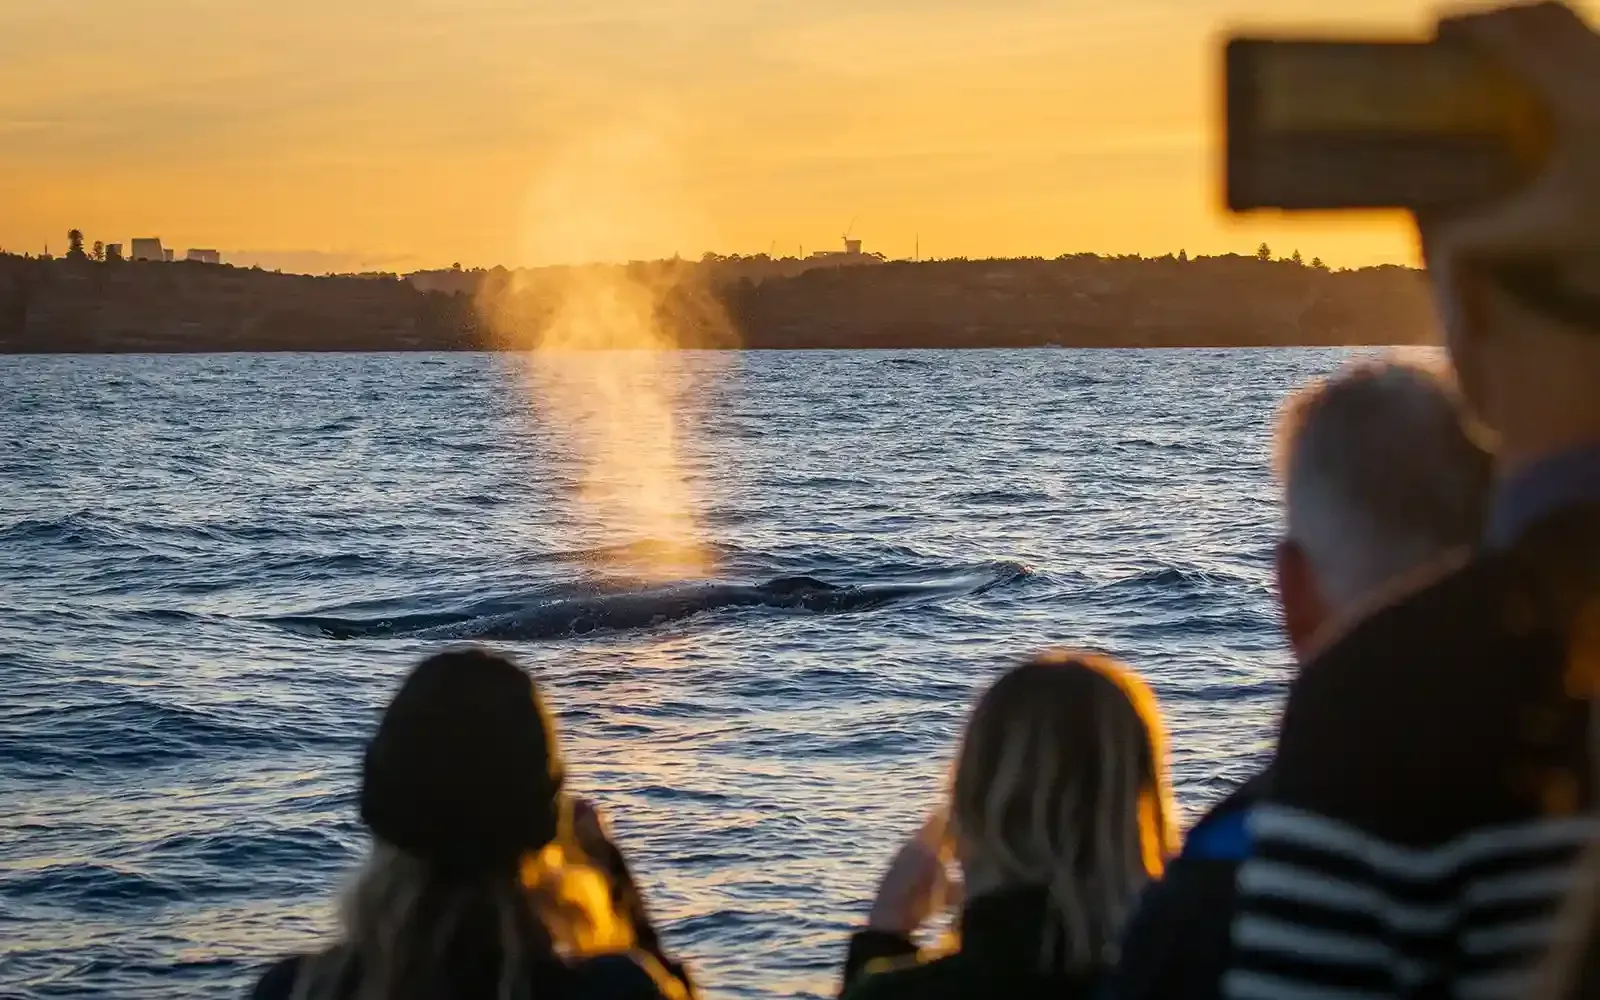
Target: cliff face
{"points": [[79, 306], [132, 306], [1090, 300]]}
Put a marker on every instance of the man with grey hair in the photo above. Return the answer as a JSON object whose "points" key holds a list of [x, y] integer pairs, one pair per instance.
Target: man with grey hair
{"points": [[1381, 481]]}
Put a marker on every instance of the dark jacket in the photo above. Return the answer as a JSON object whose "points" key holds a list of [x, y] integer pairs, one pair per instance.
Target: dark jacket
{"points": [[999, 957], [1431, 787], [624, 976], [1176, 944]]}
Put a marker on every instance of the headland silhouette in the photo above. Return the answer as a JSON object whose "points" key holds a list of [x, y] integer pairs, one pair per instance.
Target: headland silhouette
{"points": [[78, 304]]}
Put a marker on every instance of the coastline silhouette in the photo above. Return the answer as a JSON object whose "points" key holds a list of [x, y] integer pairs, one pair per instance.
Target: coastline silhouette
{"points": [[1081, 300]]}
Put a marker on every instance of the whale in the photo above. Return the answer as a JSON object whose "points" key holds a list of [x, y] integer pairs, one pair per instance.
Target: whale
{"points": [[648, 608], [554, 618]]}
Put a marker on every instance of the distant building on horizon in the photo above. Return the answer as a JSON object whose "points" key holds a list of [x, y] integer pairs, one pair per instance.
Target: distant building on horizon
{"points": [[851, 254], [147, 248], [449, 281], [202, 256], [113, 251], [166, 255]]}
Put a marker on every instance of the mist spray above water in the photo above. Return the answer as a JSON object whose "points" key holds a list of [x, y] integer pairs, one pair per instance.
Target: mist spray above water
{"points": [[599, 342]]}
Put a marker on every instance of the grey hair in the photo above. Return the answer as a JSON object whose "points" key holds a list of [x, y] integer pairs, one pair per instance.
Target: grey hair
{"points": [[1381, 473]]}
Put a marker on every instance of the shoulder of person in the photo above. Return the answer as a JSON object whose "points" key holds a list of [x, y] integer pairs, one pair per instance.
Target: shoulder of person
{"points": [[1176, 938], [630, 975], [1464, 597], [955, 976], [277, 983], [1451, 579], [1223, 833], [905, 976], [1413, 630], [1418, 718], [1176, 941]]}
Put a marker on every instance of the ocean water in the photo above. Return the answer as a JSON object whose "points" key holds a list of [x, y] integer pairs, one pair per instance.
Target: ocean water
{"points": [[178, 758]]}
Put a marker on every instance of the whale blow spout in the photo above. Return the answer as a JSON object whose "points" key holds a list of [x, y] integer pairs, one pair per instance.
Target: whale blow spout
{"points": [[601, 343]]}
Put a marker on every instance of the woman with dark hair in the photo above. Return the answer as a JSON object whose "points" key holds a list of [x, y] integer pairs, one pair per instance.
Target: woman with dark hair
{"points": [[484, 879], [1058, 815]]}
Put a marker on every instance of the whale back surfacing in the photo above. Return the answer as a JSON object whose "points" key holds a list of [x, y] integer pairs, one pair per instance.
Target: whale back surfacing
{"points": [[643, 609], [794, 584]]}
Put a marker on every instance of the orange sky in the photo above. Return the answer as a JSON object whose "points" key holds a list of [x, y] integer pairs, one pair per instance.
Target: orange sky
{"points": [[414, 133]]}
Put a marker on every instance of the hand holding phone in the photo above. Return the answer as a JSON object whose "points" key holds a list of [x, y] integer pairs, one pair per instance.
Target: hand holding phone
{"points": [[1540, 244], [1558, 211]]}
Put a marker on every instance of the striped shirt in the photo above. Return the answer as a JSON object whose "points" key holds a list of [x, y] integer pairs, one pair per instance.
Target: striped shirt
{"points": [[1329, 911]]}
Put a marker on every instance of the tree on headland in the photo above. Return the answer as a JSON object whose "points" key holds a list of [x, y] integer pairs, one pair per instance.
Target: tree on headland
{"points": [[75, 245], [98, 252], [456, 266], [1317, 263], [1263, 252], [1183, 256], [1296, 257]]}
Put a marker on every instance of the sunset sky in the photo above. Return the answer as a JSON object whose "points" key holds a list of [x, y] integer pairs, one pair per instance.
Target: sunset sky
{"points": [[339, 134]]}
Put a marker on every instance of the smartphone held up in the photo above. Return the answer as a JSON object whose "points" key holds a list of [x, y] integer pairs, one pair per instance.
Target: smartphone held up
{"points": [[1327, 123]]}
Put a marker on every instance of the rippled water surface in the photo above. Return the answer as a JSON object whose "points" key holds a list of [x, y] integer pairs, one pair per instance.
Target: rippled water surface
{"points": [[177, 762]]}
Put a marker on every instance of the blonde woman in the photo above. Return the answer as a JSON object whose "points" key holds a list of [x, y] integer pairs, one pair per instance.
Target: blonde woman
{"points": [[484, 882], [1059, 814]]}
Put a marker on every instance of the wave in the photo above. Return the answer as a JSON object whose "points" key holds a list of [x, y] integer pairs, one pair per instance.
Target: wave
{"points": [[1201, 621], [304, 846], [1150, 444], [141, 732], [94, 885], [308, 562], [349, 422], [510, 619], [79, 527], [999, 498], [89, 528], [1170, 579], [162, 616]]}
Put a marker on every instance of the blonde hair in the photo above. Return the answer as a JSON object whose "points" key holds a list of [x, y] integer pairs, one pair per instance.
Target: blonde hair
{"points": [[402, 923], [1060, 783]]}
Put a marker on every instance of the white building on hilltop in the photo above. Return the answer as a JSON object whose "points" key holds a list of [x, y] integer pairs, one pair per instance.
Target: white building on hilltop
{"points": [[146, 248], [202, 256], [851, 254]]}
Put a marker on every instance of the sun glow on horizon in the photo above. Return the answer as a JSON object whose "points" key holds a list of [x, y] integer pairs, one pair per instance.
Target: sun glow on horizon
{"points": [[352, 135]]}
